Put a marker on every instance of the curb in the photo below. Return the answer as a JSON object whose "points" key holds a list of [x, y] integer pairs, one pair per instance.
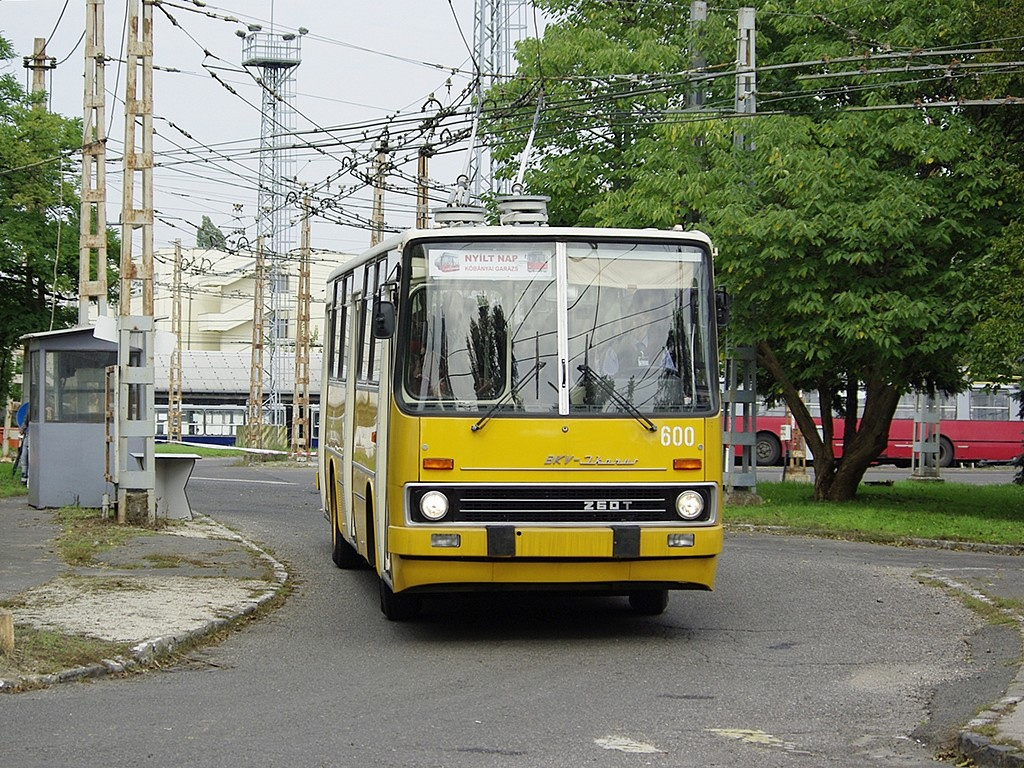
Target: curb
{"points": [[970, 744], [149, 651], [981, 751], [1010, 550]]}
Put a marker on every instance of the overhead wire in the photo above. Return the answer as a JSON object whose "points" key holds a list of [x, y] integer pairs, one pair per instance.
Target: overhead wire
{"points": [[319, 147], [451, 125]]}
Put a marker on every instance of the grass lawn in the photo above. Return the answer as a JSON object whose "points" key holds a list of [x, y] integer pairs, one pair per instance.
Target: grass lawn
{"points": [[10, 481], [907, 509], [199, 450]]}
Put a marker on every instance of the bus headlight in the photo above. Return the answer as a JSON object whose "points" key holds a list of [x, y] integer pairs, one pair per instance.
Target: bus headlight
{"points": [[689, 505], [433, 505]]}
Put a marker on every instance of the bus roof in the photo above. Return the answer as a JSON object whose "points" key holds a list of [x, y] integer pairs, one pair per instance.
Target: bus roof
{"points": [[517, 232]]}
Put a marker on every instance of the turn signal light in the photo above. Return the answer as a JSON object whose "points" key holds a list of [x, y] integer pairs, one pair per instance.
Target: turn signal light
{"points": [[439, 463], [446, 540], [687, 463], [677, 540]]}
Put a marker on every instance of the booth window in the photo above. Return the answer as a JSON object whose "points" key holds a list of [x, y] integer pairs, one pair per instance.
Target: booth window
{"points": [[75, 385]]}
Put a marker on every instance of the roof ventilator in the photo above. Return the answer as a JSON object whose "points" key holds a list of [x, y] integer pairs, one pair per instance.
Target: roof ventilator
{"points": [[523, 210]]}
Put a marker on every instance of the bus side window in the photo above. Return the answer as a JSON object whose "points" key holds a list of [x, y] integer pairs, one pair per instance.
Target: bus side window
{"points": [[375, 275], [357, 318], [336, 366], [369, 363]]}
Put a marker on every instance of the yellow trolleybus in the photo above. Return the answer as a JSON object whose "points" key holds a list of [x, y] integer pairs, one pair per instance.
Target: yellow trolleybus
{"points": [[524, 407]]}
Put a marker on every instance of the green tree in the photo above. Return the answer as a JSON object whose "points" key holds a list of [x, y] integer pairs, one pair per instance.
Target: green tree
{"points": [[847, 237], [39, 213], [208, 235], [996, 348], [996, 351]]}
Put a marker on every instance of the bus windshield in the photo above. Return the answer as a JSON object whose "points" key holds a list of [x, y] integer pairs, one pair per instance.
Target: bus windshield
{"points": [[538, 327]]}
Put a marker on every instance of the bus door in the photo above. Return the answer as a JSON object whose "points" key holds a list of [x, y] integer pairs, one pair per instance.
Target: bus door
{"points": [[345, 497], [380, 484]]}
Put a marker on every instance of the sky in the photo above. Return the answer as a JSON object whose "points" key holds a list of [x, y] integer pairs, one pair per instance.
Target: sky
{"points": [[365, 66]]}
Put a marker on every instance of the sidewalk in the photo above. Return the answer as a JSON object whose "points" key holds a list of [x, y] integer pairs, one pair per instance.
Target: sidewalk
{"points": [[183, 582], [154, 592]]}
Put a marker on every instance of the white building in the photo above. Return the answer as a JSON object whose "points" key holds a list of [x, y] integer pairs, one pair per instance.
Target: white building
{"points": [[217, 309], [217, 297]]}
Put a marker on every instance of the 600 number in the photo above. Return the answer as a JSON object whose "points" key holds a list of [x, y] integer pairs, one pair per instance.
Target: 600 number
{"points": [[678, 436]]}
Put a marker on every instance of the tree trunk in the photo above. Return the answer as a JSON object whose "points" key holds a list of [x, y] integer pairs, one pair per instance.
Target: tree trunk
{"points": [[821, 449], [863, 439], [864, 446]]}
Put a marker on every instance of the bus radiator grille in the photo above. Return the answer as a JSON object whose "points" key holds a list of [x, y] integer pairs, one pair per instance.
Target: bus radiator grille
{"points": [[565, 504]]}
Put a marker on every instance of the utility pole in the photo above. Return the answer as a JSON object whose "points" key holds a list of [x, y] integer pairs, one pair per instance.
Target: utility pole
{"points": [[136, 422], [924, 457], [39, 62], [740, 400], [92, 231], [423, 187], [696, 97], [174, 386], [380, 164], [254, 411], [301, 442], [746, 69]]}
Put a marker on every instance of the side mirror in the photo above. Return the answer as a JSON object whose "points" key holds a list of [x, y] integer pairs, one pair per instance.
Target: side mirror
{"points": [[721, 307], [383, 319]]}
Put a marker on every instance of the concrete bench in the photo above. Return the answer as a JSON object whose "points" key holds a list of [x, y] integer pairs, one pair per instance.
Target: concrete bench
{"points": [[172, 471]]}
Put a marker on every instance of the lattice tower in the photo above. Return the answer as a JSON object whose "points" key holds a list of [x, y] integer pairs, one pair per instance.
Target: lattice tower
{"points": [[276, 56], [497, 26]]}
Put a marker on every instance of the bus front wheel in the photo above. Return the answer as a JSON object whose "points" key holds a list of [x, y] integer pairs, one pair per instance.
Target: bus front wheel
{"points": [[397, 607], [343, 554], [649, 602]]}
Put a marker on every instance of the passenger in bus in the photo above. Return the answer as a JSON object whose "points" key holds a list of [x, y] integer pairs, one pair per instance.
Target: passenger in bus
{"points": [[634, 353]]}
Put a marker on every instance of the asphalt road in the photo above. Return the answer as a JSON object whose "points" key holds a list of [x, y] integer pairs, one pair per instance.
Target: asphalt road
{"points": [[808, 652]]}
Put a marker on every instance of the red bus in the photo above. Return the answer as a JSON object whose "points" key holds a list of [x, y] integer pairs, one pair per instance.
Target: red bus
{"points": [[979, 425]]}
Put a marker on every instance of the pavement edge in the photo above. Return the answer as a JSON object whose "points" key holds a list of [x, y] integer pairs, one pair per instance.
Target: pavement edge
{"points": [[151, 650]]}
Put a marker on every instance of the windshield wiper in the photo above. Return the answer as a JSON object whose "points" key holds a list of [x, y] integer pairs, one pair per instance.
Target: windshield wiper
{"points": [[509, 394], [615, 397]]}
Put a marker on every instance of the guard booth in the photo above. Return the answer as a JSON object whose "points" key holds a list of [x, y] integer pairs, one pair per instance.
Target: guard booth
{"points": [[65, 435]]}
